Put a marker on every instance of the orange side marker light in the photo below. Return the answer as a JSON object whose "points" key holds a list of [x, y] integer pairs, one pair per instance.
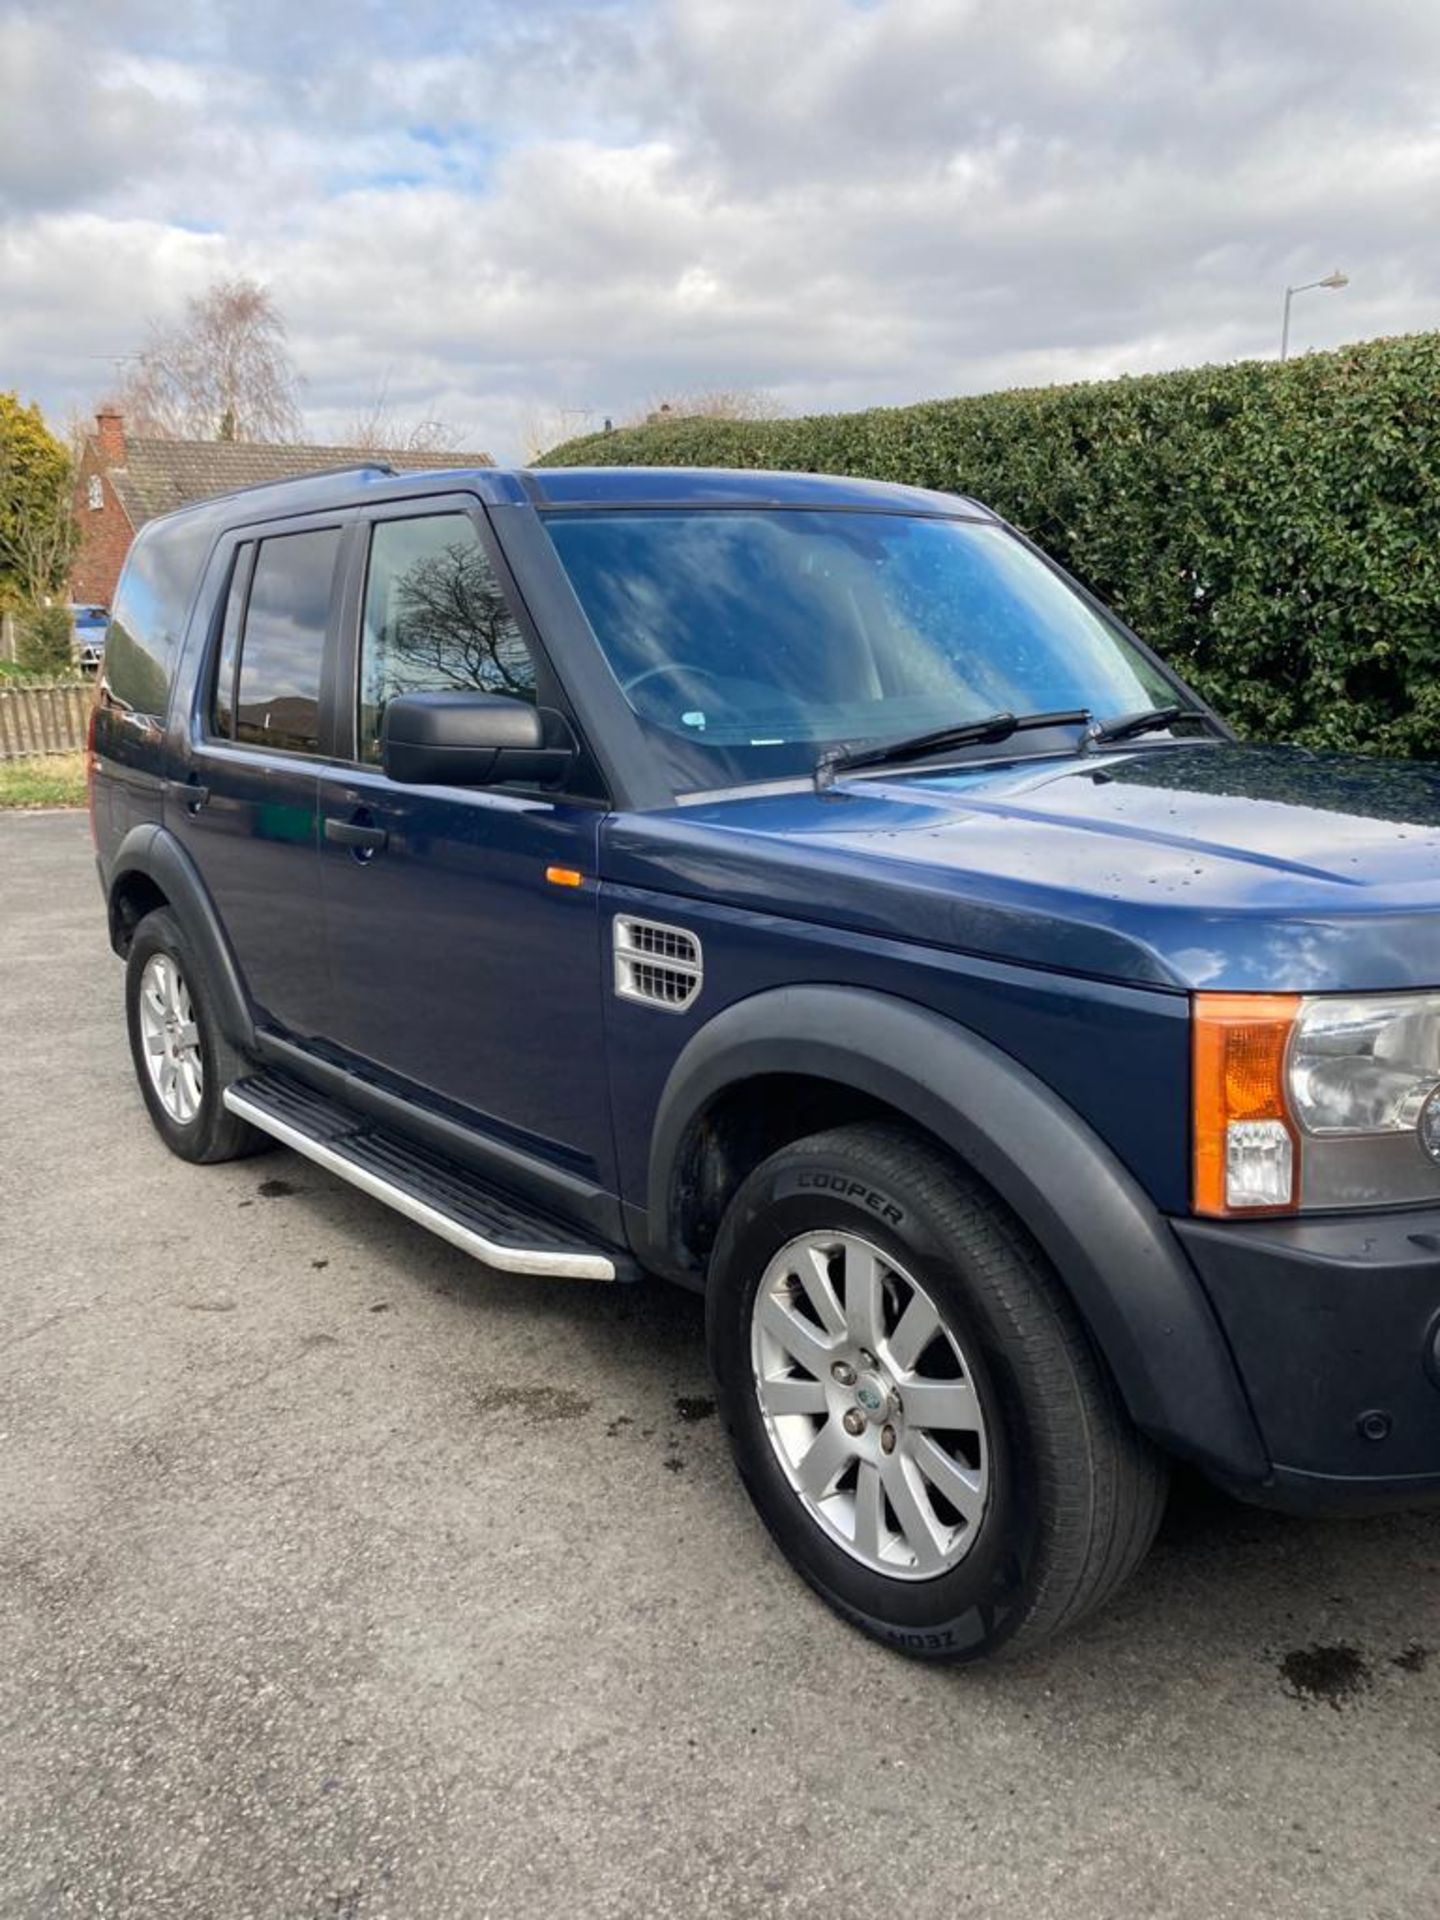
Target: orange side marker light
{"points": [[564, 877]]}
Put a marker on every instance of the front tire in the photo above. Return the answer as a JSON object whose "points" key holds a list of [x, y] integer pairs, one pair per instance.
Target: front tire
{"points": [[183, 1061], [913, 1403]]}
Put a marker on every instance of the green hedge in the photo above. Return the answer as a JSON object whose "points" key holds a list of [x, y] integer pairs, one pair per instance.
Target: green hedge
{"points": [[1274, 531]]}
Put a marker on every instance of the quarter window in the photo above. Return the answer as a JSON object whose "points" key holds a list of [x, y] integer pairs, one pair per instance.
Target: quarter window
{"points": [[152, 606], [277, 698], [435, 619]]}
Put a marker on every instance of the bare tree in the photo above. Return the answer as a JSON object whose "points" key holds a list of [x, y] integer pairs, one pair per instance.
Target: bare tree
{"points": [[543, 427], [223, 373], [378, 428], [708, 403]]}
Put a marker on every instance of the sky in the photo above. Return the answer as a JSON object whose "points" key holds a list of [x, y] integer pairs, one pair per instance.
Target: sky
{"points": [[523, 216]]}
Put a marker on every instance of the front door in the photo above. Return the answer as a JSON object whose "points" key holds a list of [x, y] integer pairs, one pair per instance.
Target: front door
{"points": [[463, 954]]}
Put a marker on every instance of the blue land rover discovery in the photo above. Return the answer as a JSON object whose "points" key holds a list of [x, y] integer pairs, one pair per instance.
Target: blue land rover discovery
{"points": [[799, 888]]}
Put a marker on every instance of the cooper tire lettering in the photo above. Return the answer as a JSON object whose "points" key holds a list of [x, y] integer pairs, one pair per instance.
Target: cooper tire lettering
{"points": [[844, 1187]]}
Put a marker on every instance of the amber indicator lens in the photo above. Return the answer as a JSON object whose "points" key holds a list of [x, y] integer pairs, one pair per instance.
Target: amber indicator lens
{"points": [[1245, 1147]]}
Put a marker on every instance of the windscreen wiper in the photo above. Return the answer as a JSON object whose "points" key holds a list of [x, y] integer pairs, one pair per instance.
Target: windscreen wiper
{"points": [[920, 746], [1149, 720]]}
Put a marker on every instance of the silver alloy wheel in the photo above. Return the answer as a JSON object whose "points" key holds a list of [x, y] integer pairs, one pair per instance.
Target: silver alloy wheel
{"points": [[870, 1406], [171, 1038]]}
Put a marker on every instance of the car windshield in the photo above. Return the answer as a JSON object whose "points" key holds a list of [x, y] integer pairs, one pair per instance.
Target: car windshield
{"points": [[747, 642]]}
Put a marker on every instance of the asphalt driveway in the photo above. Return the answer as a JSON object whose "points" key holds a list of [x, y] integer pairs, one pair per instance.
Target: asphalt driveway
{"points": [[341, 1580]]}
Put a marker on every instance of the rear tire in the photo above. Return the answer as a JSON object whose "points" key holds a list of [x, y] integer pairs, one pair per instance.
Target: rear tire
{"points": [[1022, 1494], [183, 1060]]}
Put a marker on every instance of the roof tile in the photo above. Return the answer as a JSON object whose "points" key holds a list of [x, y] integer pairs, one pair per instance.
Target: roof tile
{"points": [[160, 475]]}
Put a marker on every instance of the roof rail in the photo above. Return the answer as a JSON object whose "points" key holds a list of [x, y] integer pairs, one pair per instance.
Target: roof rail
{"points": [[315, 473]]}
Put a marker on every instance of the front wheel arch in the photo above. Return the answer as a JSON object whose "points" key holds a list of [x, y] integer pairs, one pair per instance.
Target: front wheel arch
{"points": [[1066, 1496], [1114, 1253]]}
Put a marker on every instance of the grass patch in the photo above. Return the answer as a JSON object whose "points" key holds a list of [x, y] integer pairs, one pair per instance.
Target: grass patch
{"points": [[51, 780], [12, 674]]}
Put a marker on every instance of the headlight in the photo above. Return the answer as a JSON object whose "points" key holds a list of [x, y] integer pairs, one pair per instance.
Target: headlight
{"points": [[1365, 1066], [1323, 1102]]}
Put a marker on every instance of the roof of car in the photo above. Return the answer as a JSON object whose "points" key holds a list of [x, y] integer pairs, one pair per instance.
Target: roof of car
{"points": [[722, 486], [577, 488]]}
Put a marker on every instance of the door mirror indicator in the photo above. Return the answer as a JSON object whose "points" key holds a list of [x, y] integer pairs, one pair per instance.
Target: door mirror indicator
{"points": [[459, 739]]}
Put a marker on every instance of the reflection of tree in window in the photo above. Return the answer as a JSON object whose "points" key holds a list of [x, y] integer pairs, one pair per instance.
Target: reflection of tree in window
{"points": [[435, 620], [452, 629]]}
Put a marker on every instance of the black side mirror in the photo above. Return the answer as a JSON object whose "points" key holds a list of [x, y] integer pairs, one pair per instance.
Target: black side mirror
{"points": [[471, 740]]}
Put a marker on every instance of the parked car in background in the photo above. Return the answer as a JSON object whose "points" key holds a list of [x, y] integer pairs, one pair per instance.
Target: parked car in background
{"points": [[799, 888], [88, 624]]}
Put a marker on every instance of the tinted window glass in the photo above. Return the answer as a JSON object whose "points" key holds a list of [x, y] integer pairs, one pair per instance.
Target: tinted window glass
{"points": [[223, 714], [435, 618], [278, 697], [152, 606], [746, 642]]}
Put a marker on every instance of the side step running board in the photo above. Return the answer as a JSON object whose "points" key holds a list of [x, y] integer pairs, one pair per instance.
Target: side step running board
{"points": [[449, 1199]]}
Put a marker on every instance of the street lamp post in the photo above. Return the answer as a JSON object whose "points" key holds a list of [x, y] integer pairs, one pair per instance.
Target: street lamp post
{"points": [[1334, 281]]}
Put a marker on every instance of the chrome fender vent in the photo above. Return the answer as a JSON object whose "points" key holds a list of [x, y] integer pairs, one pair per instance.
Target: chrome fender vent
{"points": [[657, 964]]}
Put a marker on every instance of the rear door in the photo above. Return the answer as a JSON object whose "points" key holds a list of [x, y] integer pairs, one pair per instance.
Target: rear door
{"points": [[245, 799], [461, 923]]}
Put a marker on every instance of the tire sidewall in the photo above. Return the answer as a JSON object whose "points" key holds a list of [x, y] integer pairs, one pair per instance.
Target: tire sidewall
{"points": [[971, 1610], [161, 932]]}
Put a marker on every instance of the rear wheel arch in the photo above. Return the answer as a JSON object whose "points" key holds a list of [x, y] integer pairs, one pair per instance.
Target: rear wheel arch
{"points": [[183, 1059], [151, 870], [887, 1058], [133, 894]]}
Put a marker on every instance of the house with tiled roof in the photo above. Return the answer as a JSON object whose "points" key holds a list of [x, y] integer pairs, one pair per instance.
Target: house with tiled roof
{"points": [[122, 480]]}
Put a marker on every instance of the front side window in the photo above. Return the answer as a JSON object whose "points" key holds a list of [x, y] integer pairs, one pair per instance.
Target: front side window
{"points": [[435, 619], [282, 649], [748, 641]]}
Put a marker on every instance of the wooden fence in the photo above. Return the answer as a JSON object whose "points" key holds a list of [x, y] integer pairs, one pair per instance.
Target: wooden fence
{"points": [[44, 719]]}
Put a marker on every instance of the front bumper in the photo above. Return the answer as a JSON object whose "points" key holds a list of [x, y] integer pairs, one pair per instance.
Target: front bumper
{"points": [[1334, 1322]]}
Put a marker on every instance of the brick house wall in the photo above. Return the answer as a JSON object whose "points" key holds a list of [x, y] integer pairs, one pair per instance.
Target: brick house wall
{"points": [[105, 530]]}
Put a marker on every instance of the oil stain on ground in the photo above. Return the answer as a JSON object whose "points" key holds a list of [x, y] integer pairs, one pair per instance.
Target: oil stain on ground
{"points": [[540, 1404], [276, 1189], [1335, 1674], [694, 1406]]}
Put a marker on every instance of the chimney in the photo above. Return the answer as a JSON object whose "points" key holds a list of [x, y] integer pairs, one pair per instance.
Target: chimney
{"points": [[110, 436]]}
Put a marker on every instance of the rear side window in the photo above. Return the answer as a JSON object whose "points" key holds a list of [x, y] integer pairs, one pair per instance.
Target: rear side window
{"points": [[152, 606], [435, 618], [282, 646], [222, 713]]}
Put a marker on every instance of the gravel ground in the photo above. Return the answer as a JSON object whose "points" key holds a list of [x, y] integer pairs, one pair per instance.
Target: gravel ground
{"points": [[342, 1580]]}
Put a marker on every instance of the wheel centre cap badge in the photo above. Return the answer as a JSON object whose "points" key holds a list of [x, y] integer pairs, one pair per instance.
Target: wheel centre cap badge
{"points": [[870, 1397]]}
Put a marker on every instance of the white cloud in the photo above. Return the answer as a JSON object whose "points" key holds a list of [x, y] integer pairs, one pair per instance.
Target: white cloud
{"points": [[586, 203]]}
